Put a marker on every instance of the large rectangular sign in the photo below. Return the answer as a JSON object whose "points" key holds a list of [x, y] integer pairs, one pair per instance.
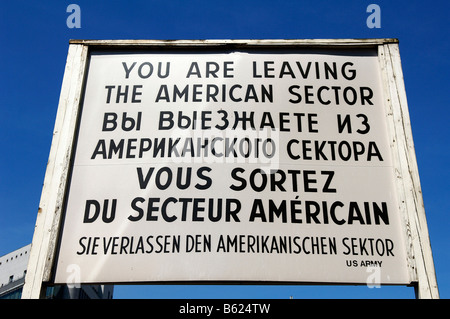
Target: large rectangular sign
{"points": [[233, 165]]}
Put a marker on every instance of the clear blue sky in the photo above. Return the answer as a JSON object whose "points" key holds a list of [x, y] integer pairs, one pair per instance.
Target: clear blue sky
{"points": [[34, 41]]}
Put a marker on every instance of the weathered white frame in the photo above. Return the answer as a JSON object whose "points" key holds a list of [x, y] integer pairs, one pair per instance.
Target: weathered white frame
{"points": [[411, 204], [44, 245]]}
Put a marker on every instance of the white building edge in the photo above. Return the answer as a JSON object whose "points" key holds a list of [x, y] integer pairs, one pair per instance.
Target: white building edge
{"points": [[13, 268]]}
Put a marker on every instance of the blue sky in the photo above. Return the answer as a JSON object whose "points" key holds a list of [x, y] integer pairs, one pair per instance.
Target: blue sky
{"points": [[34, 40]]}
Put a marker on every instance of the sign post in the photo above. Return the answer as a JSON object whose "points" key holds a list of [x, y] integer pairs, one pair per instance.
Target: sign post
{"points": [[182, 161]]}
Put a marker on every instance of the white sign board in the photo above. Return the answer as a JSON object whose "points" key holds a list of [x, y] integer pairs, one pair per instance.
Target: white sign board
{"points": [[233, 166]]}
